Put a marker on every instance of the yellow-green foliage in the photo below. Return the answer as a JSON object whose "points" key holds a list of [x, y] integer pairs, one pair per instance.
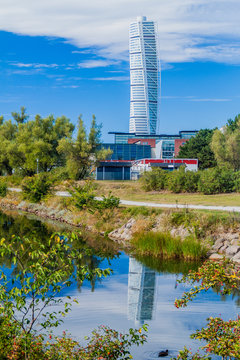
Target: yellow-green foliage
{"points": [[164, 245]]}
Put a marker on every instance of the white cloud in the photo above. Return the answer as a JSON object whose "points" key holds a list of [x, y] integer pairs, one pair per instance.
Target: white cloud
{"points": [[89, 64], [189, 30], [34, 65]]}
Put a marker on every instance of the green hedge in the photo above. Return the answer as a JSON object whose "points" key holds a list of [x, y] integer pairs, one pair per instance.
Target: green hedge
{"points": [[209, 181]]}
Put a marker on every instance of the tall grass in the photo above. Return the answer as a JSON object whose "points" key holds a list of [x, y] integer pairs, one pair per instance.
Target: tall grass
{"points": [[164, 245]]}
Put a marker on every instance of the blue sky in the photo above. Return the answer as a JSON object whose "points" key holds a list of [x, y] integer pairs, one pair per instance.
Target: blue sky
{"points": [[70, 58]]}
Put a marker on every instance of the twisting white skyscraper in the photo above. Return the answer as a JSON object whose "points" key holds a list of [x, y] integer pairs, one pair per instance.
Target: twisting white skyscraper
{"points": [[144, 77]]}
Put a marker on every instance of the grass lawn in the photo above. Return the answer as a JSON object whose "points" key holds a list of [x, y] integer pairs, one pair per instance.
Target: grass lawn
{"points": [[131, 190]]}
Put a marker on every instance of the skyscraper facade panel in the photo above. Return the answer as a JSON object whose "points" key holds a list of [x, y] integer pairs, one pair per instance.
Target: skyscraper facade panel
{"points": [[144, 77]]}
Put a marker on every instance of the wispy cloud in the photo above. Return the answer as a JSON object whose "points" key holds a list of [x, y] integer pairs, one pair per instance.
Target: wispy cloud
{"points": [[34, 65], [84, 51], [89, 64], [189, 30], [210, 100]]}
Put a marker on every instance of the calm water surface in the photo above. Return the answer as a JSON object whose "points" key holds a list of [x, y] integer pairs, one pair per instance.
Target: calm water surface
{"points": [[139, 291]]}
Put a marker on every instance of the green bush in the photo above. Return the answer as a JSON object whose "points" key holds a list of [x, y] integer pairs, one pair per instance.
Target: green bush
{"points": [[237, 181], [216, 180], [108, 202], [36, 187], [84, 197], [176, 180], [3, 188], [59, 174], [191, 181], [155, 179]]}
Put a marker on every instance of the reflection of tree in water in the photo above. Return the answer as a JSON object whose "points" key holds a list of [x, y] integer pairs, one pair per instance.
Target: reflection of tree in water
{"points": [[23, 226], [168, 266], [39, 232], [182, 267], [235, 295]]}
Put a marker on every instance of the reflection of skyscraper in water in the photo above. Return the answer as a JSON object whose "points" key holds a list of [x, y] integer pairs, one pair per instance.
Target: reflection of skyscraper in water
{"points": [[141, 292]]}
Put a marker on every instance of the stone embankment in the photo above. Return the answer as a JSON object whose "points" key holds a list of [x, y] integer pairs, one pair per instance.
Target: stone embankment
{"points": [[227, 245], [63, 216], [224, 245]]}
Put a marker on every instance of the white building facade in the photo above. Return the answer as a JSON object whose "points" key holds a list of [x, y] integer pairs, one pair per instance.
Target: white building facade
{"points": [[144, 77]]}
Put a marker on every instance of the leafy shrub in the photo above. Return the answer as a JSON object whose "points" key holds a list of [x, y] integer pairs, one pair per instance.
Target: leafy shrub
{"points": [[59, 174], [216, 180], [183, 181], [191, 181], [155, 179], [220, 337], [108, 202], [36, 187], [3, 188], [105, 343], [176, 180], [84, 197], [237, 181]]}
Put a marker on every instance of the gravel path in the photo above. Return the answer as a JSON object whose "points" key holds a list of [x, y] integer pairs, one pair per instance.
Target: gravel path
{"points": [[157, 205]]}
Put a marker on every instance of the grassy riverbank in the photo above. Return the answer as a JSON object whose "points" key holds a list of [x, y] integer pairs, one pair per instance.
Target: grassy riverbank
{"points": [[168, 233], [164, 245]]}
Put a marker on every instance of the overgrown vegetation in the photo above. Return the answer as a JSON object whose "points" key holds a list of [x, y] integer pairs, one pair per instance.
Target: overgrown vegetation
{"points": [[164, 245], [3, 188], [209, 181], [36, 187], [84, 197]]}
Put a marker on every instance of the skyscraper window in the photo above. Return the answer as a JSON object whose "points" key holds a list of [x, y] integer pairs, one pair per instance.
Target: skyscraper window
{"points": [[144, 77]]}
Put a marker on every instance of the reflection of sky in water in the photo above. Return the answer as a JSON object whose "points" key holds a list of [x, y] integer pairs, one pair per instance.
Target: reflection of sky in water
{"points": [[111, 304], [132, 295]]}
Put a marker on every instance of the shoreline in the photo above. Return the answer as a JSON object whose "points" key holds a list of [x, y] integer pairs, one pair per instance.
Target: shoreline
{"points": [[225, 242]]}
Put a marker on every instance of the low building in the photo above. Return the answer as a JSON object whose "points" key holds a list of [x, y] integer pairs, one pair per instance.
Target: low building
{"points": [[132, 154], [114, 170], [163, 146], [140, 166]]}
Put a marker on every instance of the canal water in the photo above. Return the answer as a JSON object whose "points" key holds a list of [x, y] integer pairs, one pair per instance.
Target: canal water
{"points": [[140, 291]]}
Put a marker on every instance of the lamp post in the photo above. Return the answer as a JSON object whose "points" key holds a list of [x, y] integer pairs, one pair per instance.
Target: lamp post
{"points": [[37, 165]]}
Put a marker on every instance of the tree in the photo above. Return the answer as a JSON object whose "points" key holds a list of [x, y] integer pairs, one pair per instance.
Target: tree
{"points": [[27, 143], [8, 132], [198, 147], [20, 117], [233, 124], [83, 153], [226, 144]]}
